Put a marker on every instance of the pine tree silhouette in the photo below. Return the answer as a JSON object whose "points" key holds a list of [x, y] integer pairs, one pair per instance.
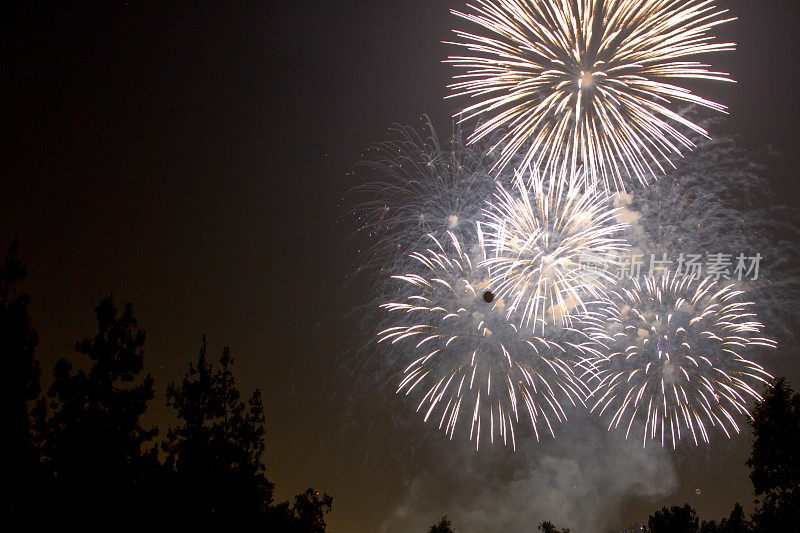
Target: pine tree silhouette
{"points": [[216, 451], [19, 457], [93, 437]]}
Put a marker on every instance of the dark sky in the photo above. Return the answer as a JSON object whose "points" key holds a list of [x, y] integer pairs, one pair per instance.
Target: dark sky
{"points": [[191, 157]]}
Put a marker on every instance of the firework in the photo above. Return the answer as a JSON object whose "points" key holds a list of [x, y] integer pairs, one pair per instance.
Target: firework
{"points": [[706, 207], [420, 185], [672, 357], [698, 207], [541, 237], [589, 82], [466, 361]]}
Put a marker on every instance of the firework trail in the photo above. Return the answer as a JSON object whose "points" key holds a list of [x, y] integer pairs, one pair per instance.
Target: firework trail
{"points": [[467, 362], [587, 83], [540, 236], [671, 357]]}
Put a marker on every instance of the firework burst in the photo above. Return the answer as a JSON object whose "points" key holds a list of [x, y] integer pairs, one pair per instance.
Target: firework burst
{"points": [[420, 185], [702, 206], [588, 82], [467, 362], [705, 207], [671, 358], [541, 236]]}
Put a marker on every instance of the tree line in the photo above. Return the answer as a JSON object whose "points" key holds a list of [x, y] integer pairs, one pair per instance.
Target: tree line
{"points": [[80, 448]]}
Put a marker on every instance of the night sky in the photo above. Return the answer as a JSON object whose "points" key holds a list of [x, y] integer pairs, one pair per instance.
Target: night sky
{"points": [[191, 158]]}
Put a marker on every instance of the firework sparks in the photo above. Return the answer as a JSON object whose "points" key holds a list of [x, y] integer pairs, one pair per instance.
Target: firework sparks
{"points": [[469, 362], [671, 358], [587, 82], [541, 236]]}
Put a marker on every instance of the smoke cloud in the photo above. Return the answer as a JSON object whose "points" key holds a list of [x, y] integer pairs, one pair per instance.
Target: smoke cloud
{"points": [[579, 481]]}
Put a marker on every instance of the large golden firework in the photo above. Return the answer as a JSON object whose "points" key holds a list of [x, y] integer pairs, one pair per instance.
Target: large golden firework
{"points": [[587, 83]]}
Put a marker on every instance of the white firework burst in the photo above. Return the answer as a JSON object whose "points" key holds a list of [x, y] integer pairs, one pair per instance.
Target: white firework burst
{"points": [[543, 240], [713, 204], [466, 361], [671, 358], [588, 82], [420, 184]]}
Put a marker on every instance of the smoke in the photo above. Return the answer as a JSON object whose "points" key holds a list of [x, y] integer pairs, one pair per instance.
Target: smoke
{"points": [[579, 481]]}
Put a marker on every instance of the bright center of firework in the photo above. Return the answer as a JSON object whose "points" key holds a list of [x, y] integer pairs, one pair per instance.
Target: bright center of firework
{"points": [[585, 81], [452, 221]]}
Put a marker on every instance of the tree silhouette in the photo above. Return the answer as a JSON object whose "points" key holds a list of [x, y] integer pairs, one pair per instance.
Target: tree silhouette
{"points": [[684, 520], [774, 470], [216, 452], [19, 457], [735, 523], [676, 519], [444, 526], [306, 515], [81, 451], [548, 527], [775, 460], [93, 437]]}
